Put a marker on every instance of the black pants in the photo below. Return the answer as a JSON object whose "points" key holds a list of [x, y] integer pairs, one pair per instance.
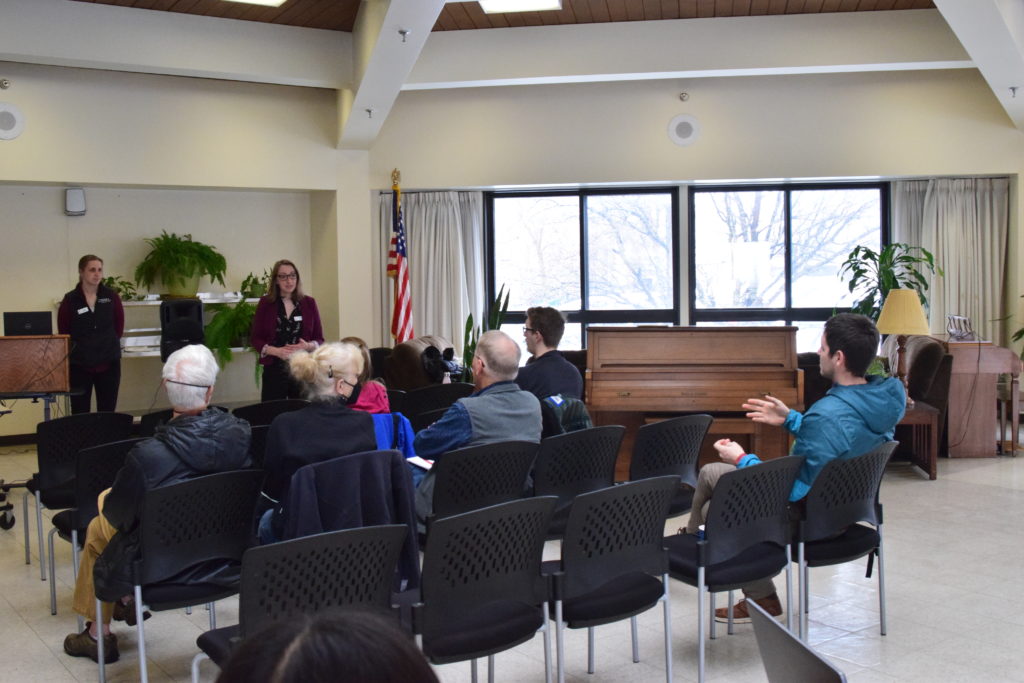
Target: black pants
{"points": [[277, 383], [105, 383]]}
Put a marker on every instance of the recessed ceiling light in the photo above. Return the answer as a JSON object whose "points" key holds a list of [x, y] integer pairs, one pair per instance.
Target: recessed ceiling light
{"points": [[505, 6], [266, 3]]}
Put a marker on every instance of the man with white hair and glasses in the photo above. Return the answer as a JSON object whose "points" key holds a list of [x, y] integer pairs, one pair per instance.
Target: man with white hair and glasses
{"points": [[198, 440]]}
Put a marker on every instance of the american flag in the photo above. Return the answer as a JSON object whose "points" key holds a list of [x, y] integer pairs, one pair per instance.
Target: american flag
{"points": [[398, 268]]}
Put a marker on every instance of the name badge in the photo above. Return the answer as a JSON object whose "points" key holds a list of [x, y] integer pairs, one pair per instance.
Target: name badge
{"points": [[103, 301], [297, 318], [83, 309]]}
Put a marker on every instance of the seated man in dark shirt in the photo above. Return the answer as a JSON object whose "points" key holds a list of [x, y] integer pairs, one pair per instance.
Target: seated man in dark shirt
{"points": [[547, 373]]}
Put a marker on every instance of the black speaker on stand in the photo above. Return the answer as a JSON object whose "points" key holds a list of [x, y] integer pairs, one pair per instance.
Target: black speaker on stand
{"points": [[181, 324]]}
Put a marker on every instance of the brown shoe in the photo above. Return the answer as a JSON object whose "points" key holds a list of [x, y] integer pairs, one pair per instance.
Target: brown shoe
{"points": [[84, 645], [125, 611], [740, 615]]}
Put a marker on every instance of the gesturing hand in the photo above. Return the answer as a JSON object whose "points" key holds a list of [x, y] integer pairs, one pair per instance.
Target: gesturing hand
{"points": [[768, 410], [729, 451]]}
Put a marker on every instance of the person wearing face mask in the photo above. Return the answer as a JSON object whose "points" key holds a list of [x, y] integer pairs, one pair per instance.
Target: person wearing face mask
{"points": [[92, 314], [325, 429], [286, 321]]}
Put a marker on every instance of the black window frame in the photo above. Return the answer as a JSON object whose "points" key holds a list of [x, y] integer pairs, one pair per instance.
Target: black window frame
{"points": [[787, 314], [585, 316]]}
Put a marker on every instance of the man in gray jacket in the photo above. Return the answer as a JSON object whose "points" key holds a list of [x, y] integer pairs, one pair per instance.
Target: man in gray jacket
{"points": [[198, 440], [498, 410]]}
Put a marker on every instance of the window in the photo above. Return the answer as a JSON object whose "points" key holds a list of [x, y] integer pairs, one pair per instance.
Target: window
{"points": [[600, 256], [771, 254]]}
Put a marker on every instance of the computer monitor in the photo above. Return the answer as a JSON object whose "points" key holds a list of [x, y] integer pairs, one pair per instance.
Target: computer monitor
{"points": [[25, 323]]}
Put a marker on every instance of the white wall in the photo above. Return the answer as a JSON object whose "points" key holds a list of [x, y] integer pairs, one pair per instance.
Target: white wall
{"points": [[41, 248]]}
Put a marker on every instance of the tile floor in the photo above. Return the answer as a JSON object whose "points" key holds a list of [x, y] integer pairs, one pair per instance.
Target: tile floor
{"points": [[954, 549]]}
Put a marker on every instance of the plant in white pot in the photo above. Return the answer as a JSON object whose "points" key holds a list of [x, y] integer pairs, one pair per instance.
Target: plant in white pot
{"points": [[179, 262]]}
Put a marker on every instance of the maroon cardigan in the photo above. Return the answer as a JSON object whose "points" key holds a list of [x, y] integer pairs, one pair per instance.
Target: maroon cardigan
{"points": [[264, 325]]}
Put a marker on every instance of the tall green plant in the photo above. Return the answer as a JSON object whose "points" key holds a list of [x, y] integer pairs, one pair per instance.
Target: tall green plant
{"points": [[229, 327], [495, 316], [872, 274], [176, 259]]}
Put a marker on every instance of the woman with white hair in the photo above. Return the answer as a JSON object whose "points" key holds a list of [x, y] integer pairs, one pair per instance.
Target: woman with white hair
{"points": [[325, 429]]}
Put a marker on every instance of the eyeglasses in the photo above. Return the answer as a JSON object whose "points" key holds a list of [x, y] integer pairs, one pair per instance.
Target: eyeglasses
{"points": [[287, 276], [528, 329]]}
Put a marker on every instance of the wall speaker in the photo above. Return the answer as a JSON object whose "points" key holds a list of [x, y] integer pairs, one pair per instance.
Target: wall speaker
{"points": [[684, 129], [12, 121], [74, 201], [181, 324]]}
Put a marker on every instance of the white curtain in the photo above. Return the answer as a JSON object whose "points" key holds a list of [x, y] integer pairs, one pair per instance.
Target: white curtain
{"points": [[444, 236], [964, 222]]}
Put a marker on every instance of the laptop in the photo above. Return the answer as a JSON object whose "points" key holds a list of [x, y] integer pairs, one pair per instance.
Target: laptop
{"points": [[785, 657], [28, 323]]}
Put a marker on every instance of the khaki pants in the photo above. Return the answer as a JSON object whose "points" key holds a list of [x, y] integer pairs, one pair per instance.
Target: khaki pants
{"points": [[96, 539], [707, 479]]}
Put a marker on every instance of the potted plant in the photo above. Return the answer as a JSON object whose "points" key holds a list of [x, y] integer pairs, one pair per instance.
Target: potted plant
{"points": [[495, 316], [125, 288], [897, 266], [229, 327], [254, 287], [179, 262]]}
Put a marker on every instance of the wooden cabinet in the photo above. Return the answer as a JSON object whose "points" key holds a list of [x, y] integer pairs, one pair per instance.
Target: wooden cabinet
{"points": [[972, 396]]}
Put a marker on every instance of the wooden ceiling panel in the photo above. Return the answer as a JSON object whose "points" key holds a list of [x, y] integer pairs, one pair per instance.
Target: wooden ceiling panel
{"points": [[340, 15]]}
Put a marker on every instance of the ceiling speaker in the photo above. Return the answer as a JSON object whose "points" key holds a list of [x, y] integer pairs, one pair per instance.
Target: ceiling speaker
{"points": [[683, 129], [12, 121]]}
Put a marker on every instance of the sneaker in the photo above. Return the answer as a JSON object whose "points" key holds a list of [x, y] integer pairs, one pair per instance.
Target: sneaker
{"points": [[770, 604], [125, 611], [83, 645]]}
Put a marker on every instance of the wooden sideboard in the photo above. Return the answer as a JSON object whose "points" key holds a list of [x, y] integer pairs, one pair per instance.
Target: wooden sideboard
{"points": [[971, 415]]}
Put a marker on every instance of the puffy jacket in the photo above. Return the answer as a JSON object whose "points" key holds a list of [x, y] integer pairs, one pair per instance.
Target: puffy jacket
{"points": [[186, 447]]}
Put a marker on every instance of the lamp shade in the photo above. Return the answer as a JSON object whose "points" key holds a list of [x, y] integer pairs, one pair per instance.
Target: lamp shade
{"points": [[902, 314]]}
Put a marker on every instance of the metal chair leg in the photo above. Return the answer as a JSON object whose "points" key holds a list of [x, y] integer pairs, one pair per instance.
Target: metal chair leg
{"points": [[668, 630], [789, 590], [633, 636], [24, 522], [101, 657], [546, 628], [213, 614], [711, 616], [700, 624], [53, 580], [195, 666], [560, 641], [74, 553], [39, 535], [141, 635], [881, 582], [729, 606], [490, 669], [472, 668], [590, 650]]}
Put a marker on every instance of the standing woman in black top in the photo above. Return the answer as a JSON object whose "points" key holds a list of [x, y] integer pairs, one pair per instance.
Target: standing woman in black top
{"points": [[92, 314], [286, 321]]}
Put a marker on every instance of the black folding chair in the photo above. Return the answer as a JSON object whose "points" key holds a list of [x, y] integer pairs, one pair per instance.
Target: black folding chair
{"points": [[57, 445], [482, 590], [614, 564], [95, 470], [204, 523], [355, 567], [479, 476], [573, 463], [433, 397], [746, 538], [265, 412], [844, 494], [671, 447]]}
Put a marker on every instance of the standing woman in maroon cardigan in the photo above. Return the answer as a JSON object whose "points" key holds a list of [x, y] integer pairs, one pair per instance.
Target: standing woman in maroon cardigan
{"points": [[286, 321], [92, 314]]}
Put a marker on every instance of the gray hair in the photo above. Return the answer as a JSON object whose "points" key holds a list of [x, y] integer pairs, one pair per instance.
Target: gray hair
{"points": [[500, 353], [189, 372]]}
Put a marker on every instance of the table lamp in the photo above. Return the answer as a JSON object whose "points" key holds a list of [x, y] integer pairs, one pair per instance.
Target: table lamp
{"points": [[902, 315]]}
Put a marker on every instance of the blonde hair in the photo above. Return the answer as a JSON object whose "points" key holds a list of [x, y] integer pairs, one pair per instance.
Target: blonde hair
{"points": [[319, 371], [365, 375]]}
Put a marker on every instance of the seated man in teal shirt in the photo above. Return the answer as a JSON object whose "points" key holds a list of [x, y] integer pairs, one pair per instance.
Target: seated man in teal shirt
{"points": [[858, 414]]}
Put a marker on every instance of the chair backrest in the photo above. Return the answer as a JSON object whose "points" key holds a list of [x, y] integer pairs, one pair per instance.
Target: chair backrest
{"points": [[750, 506], [200, 520], [396, 400], [434, 397], [481, 556], [785, 657], [423, 420], [479, 476], [846, 492], [265, 412], [355, 567], [95, 470], [616, 531], [58, 443], [669, 447], [576, 462], [150, 421], [258, 445], [379, 361]]}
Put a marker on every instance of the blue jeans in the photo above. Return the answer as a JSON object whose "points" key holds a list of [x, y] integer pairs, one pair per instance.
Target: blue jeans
{"points": [[266, 529]]}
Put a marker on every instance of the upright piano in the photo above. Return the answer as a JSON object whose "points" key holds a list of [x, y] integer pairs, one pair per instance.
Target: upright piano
{"points": [[637, 375]]}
